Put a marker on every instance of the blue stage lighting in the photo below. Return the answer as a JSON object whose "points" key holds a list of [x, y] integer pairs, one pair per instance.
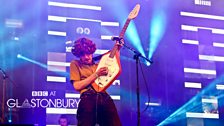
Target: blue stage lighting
{"points": [[18, 56], [157, 30], [148, 63], [9, 120], [39, 64], [32, 61], [134, 38], [195, 103]]}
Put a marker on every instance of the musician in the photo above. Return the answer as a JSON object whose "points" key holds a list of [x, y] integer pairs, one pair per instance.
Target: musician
{"points": [[94, 108]]}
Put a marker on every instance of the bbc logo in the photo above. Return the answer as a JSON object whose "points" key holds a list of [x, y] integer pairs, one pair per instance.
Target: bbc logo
{"points": [[39, 93]]}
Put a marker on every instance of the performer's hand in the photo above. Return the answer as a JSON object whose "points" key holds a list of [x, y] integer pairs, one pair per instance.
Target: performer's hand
{"points": [[102, 71]]}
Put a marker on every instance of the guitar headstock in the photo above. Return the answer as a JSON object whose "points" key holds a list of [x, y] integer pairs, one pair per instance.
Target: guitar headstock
{"points": [[134, 12]]}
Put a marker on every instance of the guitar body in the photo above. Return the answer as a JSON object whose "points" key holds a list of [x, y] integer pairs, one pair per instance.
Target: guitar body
{"points": [[114, 70]]}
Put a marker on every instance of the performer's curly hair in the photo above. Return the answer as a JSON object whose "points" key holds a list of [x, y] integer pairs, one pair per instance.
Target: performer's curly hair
{"points": [[83, 46]]}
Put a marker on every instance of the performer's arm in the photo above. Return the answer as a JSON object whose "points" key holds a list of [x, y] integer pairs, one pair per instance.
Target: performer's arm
{"points": [[79, 85]]}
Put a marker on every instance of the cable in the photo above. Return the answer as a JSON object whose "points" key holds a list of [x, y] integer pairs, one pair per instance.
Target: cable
{"points": [[146, 85]]}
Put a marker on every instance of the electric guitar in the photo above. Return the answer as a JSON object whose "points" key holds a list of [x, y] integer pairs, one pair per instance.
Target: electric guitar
{"points": [[111, 59]]}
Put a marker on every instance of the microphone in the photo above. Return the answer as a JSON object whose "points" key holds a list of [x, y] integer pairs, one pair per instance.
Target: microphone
{"points": [[116, 38]]}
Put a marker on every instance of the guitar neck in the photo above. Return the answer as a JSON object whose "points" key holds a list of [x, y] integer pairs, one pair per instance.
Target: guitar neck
{"points": [[124, 28], [121, 35]]}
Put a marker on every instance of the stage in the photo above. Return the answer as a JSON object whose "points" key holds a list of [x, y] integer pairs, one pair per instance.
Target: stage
{"points": [[179, 80]]}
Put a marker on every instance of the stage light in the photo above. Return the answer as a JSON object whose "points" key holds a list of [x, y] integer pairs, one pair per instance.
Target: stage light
{"points": [[211, 58], [13, 23], [104, 23], [220, 87], [152, 104], [148, 63], [157, 30], [134, 38], [10, 121], [194, 105], [218, 44], [192, 85], [187, 41], [58, 33], [19, 56], [69, 5], [16, 38]]}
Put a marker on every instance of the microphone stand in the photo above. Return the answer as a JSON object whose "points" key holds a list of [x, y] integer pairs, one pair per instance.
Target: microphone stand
{"points": [[3, 94], [5, 76], [136, 57]]}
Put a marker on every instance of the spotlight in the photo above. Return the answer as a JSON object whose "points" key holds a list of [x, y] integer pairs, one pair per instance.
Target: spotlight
{"points": [[157, 30], [9, 120], [19, 55], [16, 38], [148, 63]]}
